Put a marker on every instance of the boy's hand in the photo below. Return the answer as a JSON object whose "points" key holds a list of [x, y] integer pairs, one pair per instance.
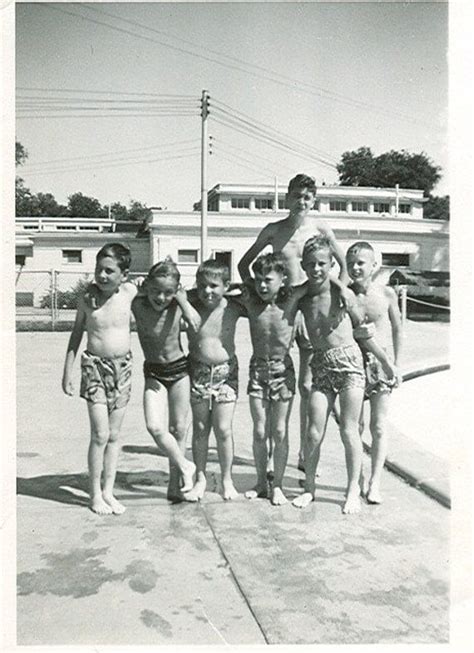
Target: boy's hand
{"points": [[181, 295], [392, 373], [67, 386]]}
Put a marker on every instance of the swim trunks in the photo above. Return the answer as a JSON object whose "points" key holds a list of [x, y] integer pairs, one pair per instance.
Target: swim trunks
{"points": [[301, 333], [166, 373], [271, 379], [106, 380], [338, 369], [219, 382], [376, 381]]}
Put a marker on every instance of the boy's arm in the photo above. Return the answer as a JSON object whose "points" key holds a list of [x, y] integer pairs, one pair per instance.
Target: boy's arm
{"points": [[73, 345], [397, 329], [263, 239], [337, 251], [190, 314]]}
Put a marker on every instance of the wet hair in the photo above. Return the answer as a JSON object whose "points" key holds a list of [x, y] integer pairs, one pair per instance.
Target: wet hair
{"points": [[212, 268], [316, 243], [117, 251], [273, 262], [303, 181], [165, 268], [360, 246]]}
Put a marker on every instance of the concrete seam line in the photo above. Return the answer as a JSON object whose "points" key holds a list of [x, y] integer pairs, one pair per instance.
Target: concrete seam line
{"points": [[239, 587]]}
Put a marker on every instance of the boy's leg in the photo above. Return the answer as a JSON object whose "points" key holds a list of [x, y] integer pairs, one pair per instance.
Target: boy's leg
{"points": [[178, 408], [155, 400], [111, 455], [99, 424], [279, 415], [363, 485], [350, 401], [222, 414], [202, 421], [304, 387], [379, 404], [258, 410], [320, 406]]}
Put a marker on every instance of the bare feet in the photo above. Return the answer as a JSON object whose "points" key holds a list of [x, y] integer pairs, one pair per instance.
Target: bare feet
{"points": [[228, 491], [300, 464], [187, 475], [174, 495], [278, 498], [99, 506], [116, 506], [352, 504], [196, 493], [373, 495], [257, 492], [303, 500]]}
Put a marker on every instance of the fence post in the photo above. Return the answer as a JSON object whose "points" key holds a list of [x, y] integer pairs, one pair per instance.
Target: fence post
{"points": [[53, 299], [403, 303]]}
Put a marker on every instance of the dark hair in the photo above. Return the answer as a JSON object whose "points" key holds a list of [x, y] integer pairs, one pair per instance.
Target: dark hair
{"points": [[316, 242], [360, 246], [269, 262], [302, 181], [119, 252], [165, 268], [213, 268]]}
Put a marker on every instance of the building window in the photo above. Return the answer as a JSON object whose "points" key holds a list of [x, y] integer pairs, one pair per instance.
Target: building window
{"points": [[263, 203], [72, 255], [404, 208], [282, 203], [30, 226], [64, 227], [396, 260], [240, 202], [381, 207], [20, 259], [225, 258], [187, 255], [89, 228], [337, 205], [213, 204], [360, 206]]}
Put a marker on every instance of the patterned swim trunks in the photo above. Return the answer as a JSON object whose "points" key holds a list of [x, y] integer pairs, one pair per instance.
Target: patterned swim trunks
{"points": [[166, 373], [106, 380], [338, 369], [271, 379], [301, 333], [219, 382], [376, 381]]}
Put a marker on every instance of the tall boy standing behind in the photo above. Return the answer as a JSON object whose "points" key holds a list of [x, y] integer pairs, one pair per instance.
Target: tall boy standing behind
{"points": [[378, 305], [106, 368], [288, 236], [337, 369]]}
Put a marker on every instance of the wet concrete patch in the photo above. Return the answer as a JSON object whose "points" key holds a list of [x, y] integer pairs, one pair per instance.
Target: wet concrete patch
{"points": [[153, 620], [143, 576]]}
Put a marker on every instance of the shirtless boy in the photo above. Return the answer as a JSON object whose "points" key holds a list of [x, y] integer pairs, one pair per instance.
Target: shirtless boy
{"points": [[271, 308], [214, 375], [378, 305], [337, 368], [288, 236], [159, 312], [106, 368]]}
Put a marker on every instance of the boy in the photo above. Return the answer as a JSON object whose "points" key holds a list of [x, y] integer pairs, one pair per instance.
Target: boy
{"points": [[337, 368], [288, 236], [106, 368], [378, 305], [159, 313], [271, 308], [213, 371]]}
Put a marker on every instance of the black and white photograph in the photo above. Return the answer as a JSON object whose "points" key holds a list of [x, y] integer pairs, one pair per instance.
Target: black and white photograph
{"points": [[229, 335]]}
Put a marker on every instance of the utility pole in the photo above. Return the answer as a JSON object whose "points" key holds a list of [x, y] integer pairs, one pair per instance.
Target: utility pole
{"points": [[204, 146], [397, 188], [275, 201]]}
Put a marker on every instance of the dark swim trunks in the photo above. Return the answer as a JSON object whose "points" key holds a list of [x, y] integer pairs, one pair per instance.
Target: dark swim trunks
{"points": [[167, 373], [338, 369], [271, 379], [219, 382], [106, 380]]}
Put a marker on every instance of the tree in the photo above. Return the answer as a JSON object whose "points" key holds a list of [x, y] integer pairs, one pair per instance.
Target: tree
{"points": [[21, 154], [118, 211], [138, 212], [436, 208], [361, 168], [81, 206]]}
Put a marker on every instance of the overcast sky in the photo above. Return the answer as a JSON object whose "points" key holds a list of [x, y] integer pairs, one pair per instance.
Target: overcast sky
{"points": [[321, 78]]}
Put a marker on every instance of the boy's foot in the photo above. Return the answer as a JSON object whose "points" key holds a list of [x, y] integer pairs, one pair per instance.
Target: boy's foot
{"points": [[196, 493], [374, 496], [301, 464], [229, 492], [116, 506], [303, 500], [352, 504], [100, 507], [187, 475], [278, 498], [257, 492], [174, 495]]}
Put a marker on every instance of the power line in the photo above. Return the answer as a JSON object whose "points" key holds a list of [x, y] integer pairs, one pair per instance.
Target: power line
{"points": [[88, 90]]}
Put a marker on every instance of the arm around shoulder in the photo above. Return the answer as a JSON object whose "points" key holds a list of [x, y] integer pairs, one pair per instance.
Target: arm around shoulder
{"points": [[263, 239]]}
